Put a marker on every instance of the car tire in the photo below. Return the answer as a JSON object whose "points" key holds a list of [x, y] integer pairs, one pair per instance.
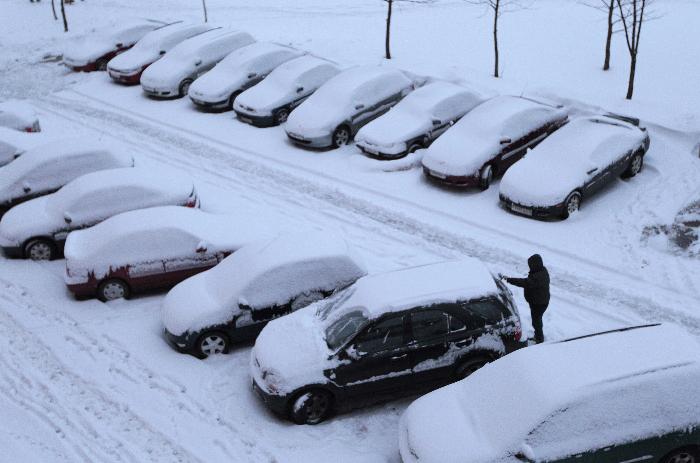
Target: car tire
{"points": [[212, 343], [341, 136], [572, 203], [185, 87], [101, 64], [232, 99], [414, 147], [281, 116], [485, 177], [311, 406], [40, 249], [469, 366], [113, 289], [683, 455], [634, 167]]}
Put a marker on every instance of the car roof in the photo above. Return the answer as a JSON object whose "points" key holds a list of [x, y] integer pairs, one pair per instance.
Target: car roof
{"points": [[194, 44]]}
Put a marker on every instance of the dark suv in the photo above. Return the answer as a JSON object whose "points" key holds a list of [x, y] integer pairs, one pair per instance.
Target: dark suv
{"points": [[389, 335]]}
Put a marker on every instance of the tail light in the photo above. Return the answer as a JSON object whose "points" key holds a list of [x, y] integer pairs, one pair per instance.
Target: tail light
{"points": [[192, 199], [517, 334]]}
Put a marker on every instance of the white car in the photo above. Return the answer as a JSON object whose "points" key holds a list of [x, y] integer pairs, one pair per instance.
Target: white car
{"points": [[489, 139], [18, 115], [232, 302], [270, 102], [13, 143], [151, 249], [37, 229], [331, 116], [240, 70], [417, 120], [94, 52], [46, 168], [127, 67], [627, 395], [172, 75]]}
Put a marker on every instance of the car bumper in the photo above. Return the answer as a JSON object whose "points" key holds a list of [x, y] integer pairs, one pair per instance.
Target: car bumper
{"points": [[325, 141], [278, 404], [257, 121], [451, 180], [181, 343], [128, 79], [162, 93], [13, 251], [223, 104], [75, 67], [82, 290], [532, 211]]}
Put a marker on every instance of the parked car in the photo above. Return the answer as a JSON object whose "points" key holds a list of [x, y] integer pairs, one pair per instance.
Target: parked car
{"points": [[46, 168], [206, 314], [13, 143], [622, 396], [172, 75], [127, 67], [240, 70], [18, 115], [94, 53], [333, 115], [389, 335], [489, 139], [270, 102], [37, 229], [151, 249], [417, 120], [572, 164]]}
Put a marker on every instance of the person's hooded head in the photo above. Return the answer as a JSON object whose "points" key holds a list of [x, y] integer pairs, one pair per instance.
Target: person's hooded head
{"points": [[535, 263]]}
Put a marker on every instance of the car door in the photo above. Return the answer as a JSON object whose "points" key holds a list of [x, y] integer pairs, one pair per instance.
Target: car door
{"points": [[429, 327], [377, 360]]}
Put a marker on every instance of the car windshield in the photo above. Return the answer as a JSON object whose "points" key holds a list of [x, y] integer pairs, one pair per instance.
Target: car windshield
{"points": [[345, 328], [334, 302]]}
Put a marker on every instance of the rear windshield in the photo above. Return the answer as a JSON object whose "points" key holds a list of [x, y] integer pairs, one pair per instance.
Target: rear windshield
{"points": [[491, 309]]}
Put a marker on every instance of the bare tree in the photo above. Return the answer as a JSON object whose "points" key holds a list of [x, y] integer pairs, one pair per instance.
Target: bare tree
{"points": [[53, 9], [633, 15], [63, 13], [608, 7], [389, 12], [498, 7], [204, 5]]}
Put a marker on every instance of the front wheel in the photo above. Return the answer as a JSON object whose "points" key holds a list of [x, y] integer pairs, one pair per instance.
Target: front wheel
{"points": [[311, 407], [486, 177], [634, 167], [40, 249], [101, 64], [571, 204], [684, 455], [281, 116], [468, 367], [212, 343], [112, 289], [185, 87], [232, 99], [341, 136]]}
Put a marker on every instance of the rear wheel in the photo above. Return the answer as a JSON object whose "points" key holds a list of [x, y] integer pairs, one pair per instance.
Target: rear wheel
{"points": [[40, 249], [341, 136], [112, 289], [469, 366], [485, 177], [634, 167], [101, 64], [414, 147], [684, 455], [311, 407], [185, 87], [281, 116], [571, 204], [212, 343]]}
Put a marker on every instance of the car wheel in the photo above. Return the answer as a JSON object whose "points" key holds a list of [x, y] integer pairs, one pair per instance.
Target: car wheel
{"points": [[414, 147], [101, 64], [684, 455], [232, 99], [312, 406], [212, 343], [40, 249], [634, 167], [303, 300], [185, 87], [112, 289], [571, 204], [341, 136], [281, 116], [485, 177], [469, 366]]}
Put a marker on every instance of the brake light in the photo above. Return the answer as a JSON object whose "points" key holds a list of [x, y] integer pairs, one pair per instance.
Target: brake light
{"points": [[192, 202], [518, 333]]}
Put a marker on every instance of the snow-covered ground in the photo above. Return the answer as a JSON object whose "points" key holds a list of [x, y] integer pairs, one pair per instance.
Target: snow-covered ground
{"points": [[95, 382]]}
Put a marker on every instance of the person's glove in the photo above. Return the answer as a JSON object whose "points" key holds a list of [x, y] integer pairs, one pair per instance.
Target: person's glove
{"points": [[502, 277]]}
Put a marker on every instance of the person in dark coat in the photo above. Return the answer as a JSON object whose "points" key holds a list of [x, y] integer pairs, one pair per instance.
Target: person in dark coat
{"points": [[536, 287]]}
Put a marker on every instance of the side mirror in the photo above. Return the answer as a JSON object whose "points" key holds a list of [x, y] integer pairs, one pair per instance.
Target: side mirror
{"points": [[67, 218], [252, 74], [505, 141], [525, 454], [359, 106], [201, 247], [162, 52], [436, 122], [119, 45], [198, 62], [592, 171], [351, 352], [26, 188], [300, 89]]}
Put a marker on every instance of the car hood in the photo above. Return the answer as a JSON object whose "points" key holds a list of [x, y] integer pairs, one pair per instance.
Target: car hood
{"points": [[29, 219], [293, 349], [393, 128], [453, 154], [539, 185], [166, 73], [218, 84], [133, 60], [264, 98], [315, 119], [82, 53]]}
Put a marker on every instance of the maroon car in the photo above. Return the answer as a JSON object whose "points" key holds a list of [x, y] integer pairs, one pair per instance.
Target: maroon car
{"points": [[150, 249]]}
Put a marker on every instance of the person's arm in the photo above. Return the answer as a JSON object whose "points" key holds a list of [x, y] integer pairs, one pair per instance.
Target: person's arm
{"points": [[521, 282]]}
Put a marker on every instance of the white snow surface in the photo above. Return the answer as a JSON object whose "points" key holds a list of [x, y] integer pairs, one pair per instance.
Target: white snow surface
{"points": [[280, 87], [231, 73], [529, 386], [13, 143], [157, 234], [414, 115], [18, 115], [147, 50], [335, 101], [82, 52], [475, 139], [560, 164], [52, 165], [261, 275]]}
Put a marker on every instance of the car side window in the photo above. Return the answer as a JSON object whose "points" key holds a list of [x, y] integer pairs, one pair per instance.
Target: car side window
{"points": [[384, 335], [429, 324], [456, 325], [486, 311]]}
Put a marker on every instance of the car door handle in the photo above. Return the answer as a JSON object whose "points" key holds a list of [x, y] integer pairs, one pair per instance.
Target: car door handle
{"points": [[591, 171], [399, 357]]}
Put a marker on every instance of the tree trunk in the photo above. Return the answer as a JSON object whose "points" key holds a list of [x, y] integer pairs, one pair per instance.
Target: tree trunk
{"points": [[495, 38], [63, 13], [204, 5], [608, 41], [387, 41], [53, 8], [633, 70]]}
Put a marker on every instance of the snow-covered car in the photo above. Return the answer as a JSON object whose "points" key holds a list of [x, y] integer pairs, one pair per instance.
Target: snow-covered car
{"points": [[240, 70], [150, 249], [94, 52], [270, 102], [388, 335], [572, 164], [172, 75], [489, 139], [628, 395], [232, 302], [46, 168], [417, 120], [18, 115], [340, 107], [37, 229], [127, 67], [13, 143]]}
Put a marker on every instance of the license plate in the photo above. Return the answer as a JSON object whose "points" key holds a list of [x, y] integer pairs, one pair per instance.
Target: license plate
{"points": [[438, 174], [521, 210], [296, 137]]}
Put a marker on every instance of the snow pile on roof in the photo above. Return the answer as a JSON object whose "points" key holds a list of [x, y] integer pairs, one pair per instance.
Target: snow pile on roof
{"points": [[261, 275], [18, 115], [83, 51], [490, 414], [561, 163], [476, 138]]}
